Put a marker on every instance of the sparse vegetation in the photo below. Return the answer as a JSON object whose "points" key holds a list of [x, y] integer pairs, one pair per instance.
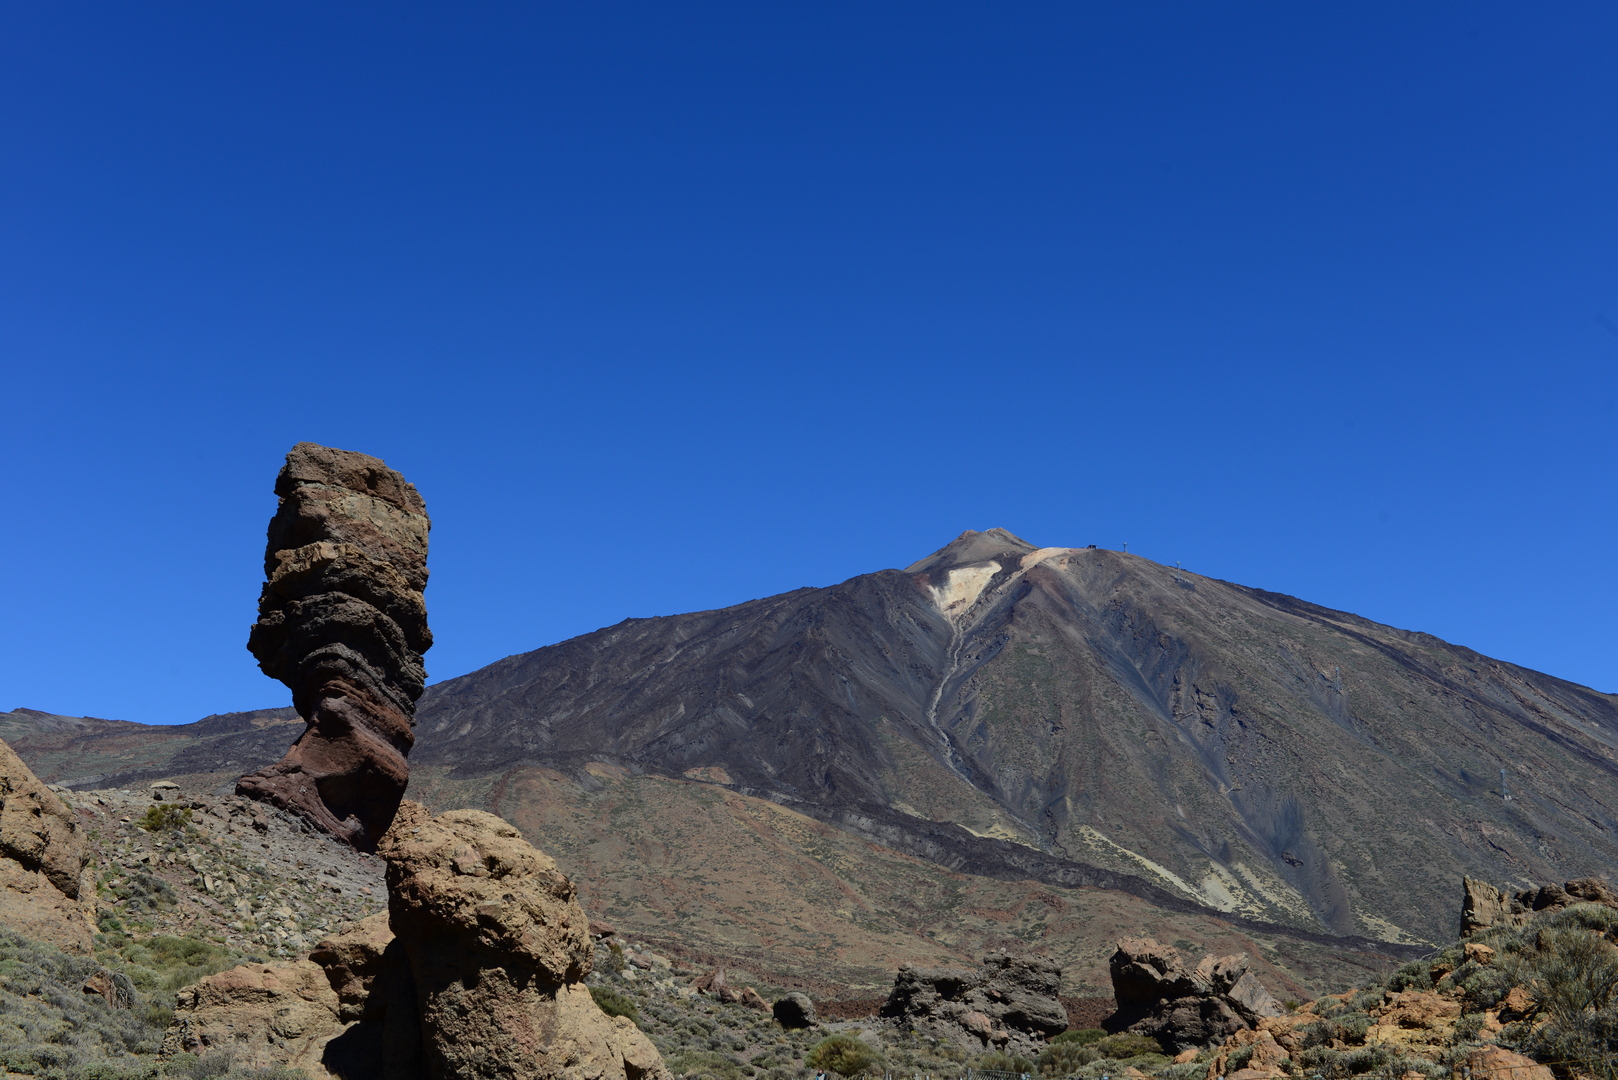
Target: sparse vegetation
{"points": [[998, 1062], [1065, 1058], [613, 1003], [845, 1055], [1081, 1036], [165, 817], [1124, 1046]]}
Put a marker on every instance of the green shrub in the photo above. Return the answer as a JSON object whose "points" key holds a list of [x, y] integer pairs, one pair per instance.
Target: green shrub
{"points": [[995, 1061], [705, 1063], [1189, 1070], [1063, 1058], [843, 1054], [1124, 1045], [1082, 1036], [1416, 975], [165, 817], [613, 1003], [1577, 973], [1365, 1059], [1320, 1033]]}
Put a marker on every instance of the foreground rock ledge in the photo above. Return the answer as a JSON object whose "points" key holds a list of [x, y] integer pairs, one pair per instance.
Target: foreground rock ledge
{"points": [[476, 972]]}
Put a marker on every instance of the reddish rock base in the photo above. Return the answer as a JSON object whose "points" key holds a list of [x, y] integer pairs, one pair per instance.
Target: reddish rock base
{"points": [[347, 772]]}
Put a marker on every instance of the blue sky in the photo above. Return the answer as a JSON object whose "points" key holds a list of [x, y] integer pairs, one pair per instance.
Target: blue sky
{"points": [[665, 307]]}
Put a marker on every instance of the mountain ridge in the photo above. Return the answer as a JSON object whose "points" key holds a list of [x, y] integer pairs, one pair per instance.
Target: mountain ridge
{"points": [[1075, 714]]}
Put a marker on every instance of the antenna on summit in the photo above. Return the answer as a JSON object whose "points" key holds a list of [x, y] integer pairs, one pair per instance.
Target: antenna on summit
{"points": [[1126, 547]]}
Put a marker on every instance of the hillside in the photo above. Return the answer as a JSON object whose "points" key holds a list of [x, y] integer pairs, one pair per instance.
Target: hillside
{"points": [[1079, 718], [1237, 748]]}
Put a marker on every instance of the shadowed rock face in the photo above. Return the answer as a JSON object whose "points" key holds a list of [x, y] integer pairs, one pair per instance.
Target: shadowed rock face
{"points": [[1009, 1003], [342, 621], [1180, 1006]]}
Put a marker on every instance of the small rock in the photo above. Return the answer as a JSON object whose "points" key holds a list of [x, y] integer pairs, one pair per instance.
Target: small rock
{"points": [[1478, 952], [1517, 1004]]}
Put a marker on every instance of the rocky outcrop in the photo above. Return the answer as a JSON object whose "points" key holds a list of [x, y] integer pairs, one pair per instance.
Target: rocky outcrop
{"points": [[476, 971], [498, 948], [795, 1011], [342, 621], [261, 1015], [1181, 1006], [1009, 1002], [716, 985], [44, 891], [1483, 905]]}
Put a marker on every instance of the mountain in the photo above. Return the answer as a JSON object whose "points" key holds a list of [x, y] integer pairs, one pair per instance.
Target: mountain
{"points": [[1240, 749], [1073, 717]]}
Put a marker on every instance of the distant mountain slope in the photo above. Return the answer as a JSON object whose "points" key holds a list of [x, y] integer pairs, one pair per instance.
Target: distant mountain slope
{"points": [[1070, 716], [1242, 749], [87, 752]]}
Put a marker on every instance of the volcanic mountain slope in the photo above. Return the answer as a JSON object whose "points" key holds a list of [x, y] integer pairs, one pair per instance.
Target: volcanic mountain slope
{"points": [[1076, 717], [1237, 748]]}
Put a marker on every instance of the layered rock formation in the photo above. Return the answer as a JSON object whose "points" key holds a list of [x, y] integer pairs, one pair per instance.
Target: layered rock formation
{"points": [[1180, 1006], [1008, 1003], [44, 892], [1483, 905], [342, 621]]}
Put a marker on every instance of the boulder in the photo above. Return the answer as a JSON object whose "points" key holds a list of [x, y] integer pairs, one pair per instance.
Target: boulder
{"points": [[261, 1015], [45, 893], [1181, 1006], [714, 984], [343, 622], [795, 1011], [498, 948], [1008, 1001], [1414, 1018], [113, 987], [1498, 1063]]}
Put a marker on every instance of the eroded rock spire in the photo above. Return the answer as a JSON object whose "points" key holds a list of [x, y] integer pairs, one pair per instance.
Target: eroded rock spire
{"points": [[342, 621]]}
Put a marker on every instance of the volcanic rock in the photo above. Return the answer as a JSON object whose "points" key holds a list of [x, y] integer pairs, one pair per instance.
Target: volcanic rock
{"points": [[1184, 1007], [263, 1014], [1010, 1001], [342, 621], [44, 893], [113, 987], [1483, 905], [499, 947], [795, 1011], [1498, 1063]]}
